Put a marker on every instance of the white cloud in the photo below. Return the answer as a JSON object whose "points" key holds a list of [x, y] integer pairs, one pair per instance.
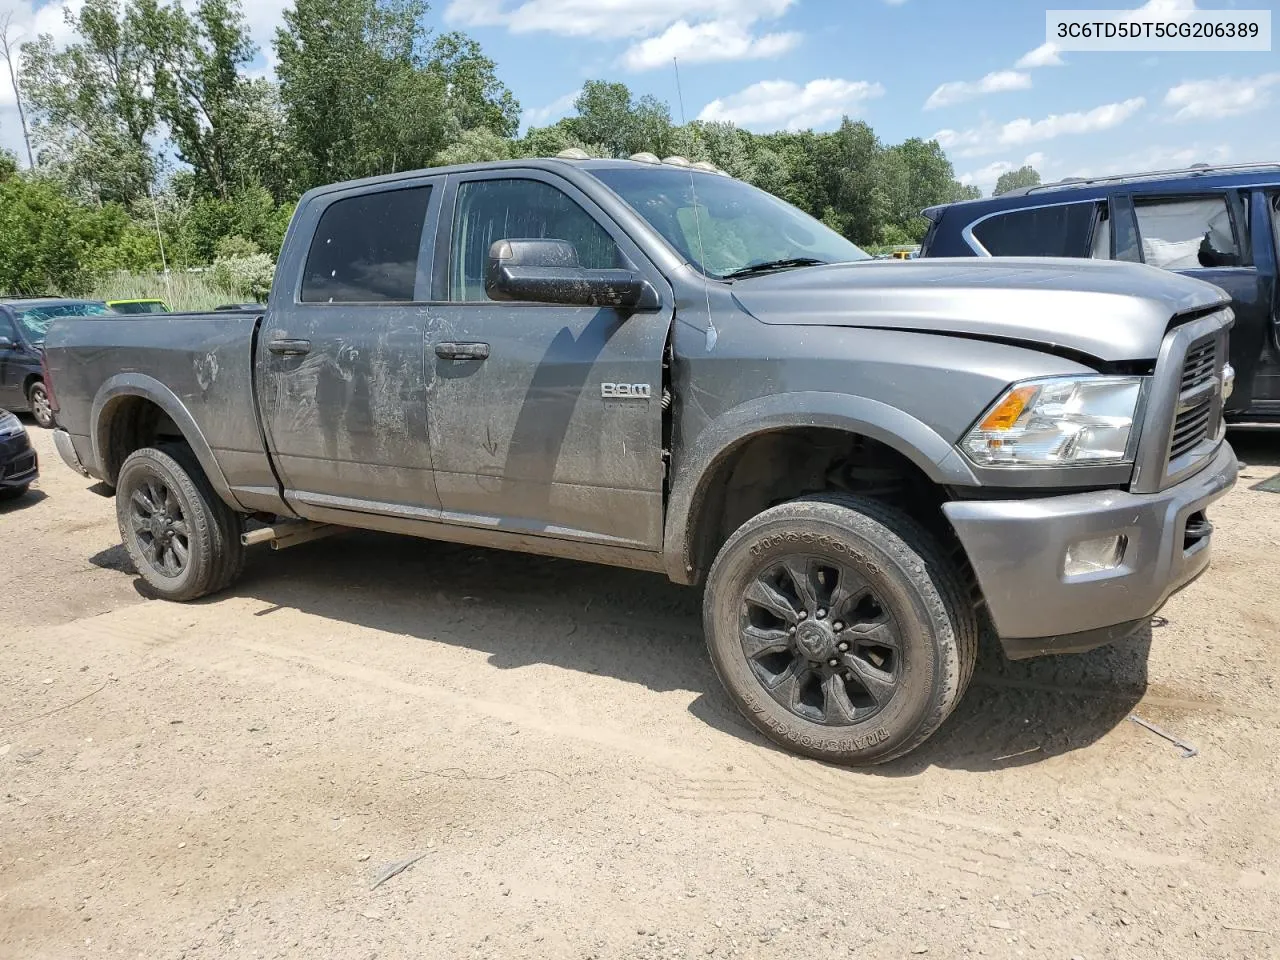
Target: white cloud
{"points": [[706, 42], [606, 18], [958, 91], [991, 137], [1157, 158], [557, 108], [1221, 97], [781, 104], [1045, 55]]}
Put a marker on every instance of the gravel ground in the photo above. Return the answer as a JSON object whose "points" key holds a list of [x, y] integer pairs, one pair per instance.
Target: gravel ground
{"points": [[547, 742]]}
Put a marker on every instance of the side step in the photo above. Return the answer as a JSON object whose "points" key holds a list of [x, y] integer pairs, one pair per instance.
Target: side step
{"points": [[289, 534]]}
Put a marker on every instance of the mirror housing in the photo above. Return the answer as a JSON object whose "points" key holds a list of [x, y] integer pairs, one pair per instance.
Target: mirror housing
{"points": [[548, 271], [5, 342]]}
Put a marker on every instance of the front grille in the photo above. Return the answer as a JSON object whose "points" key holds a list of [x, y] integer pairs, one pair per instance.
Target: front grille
{"points": [[1194, 420], [18, 467]]}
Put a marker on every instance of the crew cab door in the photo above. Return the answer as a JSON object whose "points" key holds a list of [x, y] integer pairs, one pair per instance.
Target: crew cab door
{"points": [[544, 419], [1206, 236], [339, 363], [1264, 222]]}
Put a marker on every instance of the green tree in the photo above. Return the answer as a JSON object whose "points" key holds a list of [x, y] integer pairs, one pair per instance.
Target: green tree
{"points": [[196, 61], [1025, 176], [474, 96], [621, 126], [93, 101], [475, 146]]}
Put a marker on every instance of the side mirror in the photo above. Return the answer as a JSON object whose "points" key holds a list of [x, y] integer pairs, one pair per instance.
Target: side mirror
{"points": [[548, 271], [5, 342]]}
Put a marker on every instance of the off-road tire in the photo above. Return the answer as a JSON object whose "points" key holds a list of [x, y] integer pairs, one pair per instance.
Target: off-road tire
{"points": [[39, 405], [215, 556], [921, 588]]}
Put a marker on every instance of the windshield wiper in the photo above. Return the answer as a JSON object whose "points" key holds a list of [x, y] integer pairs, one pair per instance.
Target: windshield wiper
{"points": [[770, 265]]}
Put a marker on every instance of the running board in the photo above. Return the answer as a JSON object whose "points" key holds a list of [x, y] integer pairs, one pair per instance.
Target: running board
{"points": [[289, 534]]}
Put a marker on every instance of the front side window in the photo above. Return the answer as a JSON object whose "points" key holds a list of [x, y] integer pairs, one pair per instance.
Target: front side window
{"points": [[365, 249], [1186, 233], [36, 321], [491, 210], [731, 227], [1061, 230]]}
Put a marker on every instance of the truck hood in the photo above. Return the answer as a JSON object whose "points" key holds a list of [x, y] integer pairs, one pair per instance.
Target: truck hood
{"points": [[1103, 309]]}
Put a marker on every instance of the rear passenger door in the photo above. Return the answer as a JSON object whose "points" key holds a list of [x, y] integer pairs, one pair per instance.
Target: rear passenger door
{"points": [[529, 432], [1073, 229], [340, 369], [1206, 236]]}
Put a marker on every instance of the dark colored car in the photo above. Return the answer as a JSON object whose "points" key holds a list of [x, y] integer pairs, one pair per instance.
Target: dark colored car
{"points": [[19, 464], [1219, 224], [23, 325]]}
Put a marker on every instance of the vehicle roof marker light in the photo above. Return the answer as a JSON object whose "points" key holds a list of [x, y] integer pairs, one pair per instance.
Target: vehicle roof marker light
{"points": [[677, 161], [644, 157], [573, 153]]}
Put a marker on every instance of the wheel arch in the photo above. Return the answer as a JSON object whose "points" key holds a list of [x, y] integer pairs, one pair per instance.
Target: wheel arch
{"points": [[707, 464], [122, 404]]}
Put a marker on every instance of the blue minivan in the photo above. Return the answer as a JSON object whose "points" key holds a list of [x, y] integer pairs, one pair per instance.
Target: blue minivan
{"points": [[1220, 224]]}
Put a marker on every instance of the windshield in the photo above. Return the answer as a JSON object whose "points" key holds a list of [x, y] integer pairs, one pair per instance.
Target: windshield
{"points": [[37, 320], [740, 226], [139, 306]]}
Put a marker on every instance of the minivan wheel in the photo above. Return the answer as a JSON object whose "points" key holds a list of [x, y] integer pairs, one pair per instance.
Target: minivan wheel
{"points": [[184, 541], [38, 402], [839, 628]]}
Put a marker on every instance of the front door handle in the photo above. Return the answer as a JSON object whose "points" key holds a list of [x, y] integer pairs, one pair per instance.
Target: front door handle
{"points": [[448, 350], [289, 348]]}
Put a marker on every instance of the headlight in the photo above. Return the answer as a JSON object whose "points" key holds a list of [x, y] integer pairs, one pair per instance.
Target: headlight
{"points": [[1059, 421], [10, 425]]}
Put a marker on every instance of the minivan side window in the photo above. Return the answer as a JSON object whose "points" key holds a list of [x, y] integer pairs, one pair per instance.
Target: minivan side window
{"points": [[1061, 230], [517, 209], [365, 249], [1186, 232]]}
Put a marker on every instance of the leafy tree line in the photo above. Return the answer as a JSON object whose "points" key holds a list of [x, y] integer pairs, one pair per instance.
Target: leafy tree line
{"points": [[153, 142]]}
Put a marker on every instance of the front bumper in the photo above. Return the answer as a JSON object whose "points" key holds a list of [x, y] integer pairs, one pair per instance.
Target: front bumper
{"points": [[1018, 550], [19, 464]]}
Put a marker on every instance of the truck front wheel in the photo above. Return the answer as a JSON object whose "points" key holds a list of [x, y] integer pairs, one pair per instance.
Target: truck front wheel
{"points": [[839, 628], [184, 541]]}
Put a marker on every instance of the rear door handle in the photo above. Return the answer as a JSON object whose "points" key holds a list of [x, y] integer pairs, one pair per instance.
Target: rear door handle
{"points": [[289, 348], [448, 350]]}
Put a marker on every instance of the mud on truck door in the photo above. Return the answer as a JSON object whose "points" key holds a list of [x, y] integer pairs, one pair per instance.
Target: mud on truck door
{"points": [[544, 418], [340, 353]]}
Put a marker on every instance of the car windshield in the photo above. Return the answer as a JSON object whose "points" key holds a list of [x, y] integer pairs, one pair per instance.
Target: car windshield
{"points": [[139, 306], [736, 226], [37, 320]]}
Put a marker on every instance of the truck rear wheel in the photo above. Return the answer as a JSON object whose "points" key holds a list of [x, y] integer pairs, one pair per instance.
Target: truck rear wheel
{"points": [[839, 628], [184, 541]]}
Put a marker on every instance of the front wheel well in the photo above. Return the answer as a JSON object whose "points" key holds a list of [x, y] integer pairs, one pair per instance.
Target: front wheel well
{"points": [[781, 465], [32, 378], [130, 423]]}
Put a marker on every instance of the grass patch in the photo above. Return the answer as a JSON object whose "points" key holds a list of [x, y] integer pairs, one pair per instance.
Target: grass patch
{"points": [[180, 290]]}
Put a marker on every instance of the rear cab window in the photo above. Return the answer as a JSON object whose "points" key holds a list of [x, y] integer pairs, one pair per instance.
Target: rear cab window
{"points": [[1059, 230], [1186, 233], [365, 248]]}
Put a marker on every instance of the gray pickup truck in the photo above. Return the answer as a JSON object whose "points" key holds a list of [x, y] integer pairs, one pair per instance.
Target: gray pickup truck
{"points": [[646, 364]]}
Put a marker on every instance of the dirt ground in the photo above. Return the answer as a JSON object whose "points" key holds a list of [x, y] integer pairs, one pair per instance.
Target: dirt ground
{"points": [[230, 778]]}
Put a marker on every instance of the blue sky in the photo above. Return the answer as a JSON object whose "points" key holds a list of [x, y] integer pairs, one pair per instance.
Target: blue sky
{"points": [[975, 74]]}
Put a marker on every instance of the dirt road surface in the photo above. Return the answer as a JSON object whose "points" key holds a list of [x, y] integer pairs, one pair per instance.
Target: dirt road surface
{"points": [[230, 778]]}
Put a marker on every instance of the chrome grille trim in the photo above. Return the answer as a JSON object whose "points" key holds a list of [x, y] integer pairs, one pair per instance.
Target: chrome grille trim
{"points": [[1182, 425]]}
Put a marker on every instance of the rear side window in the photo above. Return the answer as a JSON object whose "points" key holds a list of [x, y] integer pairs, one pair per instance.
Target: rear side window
{"points": [[1186, 233], [1063, 230], [366, 249]]}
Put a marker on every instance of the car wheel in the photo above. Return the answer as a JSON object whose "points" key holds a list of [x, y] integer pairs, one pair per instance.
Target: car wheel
{"points": [[839, 628], [38, 402], [184, 541], [13, 493]]}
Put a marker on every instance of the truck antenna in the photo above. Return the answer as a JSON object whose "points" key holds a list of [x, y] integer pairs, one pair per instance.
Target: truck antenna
{"points": [[712, 334]]}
